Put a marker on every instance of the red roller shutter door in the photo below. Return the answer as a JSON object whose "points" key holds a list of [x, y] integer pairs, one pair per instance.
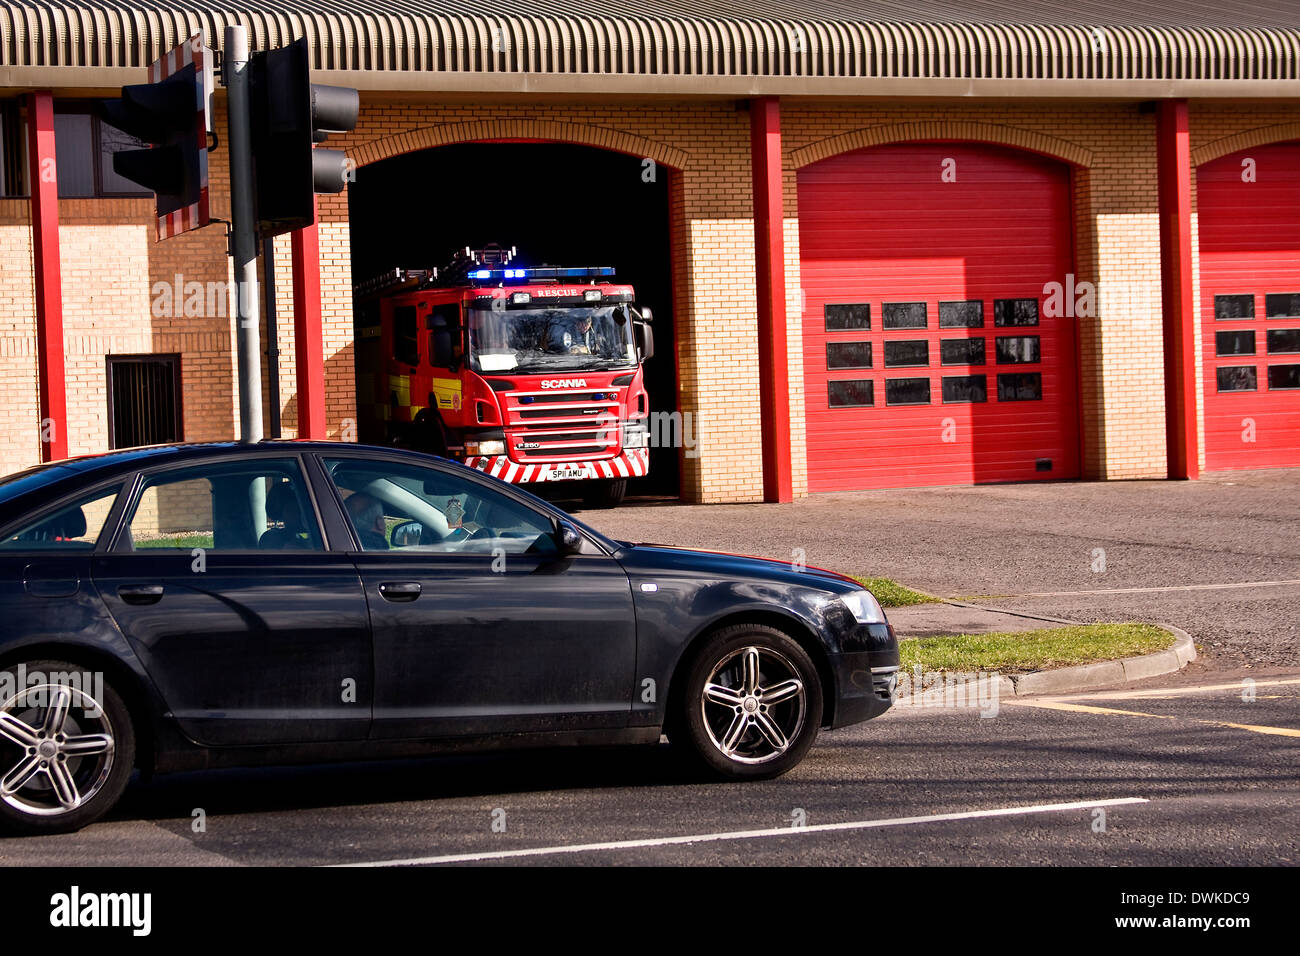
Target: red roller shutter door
{"points": [[961, 377], [1250, 306]]}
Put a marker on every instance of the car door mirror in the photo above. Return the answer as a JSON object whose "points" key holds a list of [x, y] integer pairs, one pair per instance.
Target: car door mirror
{"points": [[408, 534], [567, 539]]}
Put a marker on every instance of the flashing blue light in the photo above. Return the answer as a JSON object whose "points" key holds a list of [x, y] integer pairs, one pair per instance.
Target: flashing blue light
{"points": [[543, 272]]}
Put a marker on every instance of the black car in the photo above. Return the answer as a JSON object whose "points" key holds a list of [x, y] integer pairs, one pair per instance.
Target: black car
{"points": [[196, 606]]}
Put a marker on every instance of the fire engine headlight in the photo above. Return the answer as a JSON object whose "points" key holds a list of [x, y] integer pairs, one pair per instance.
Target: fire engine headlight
{"points": [[636, 438], [485, 448], [864, 607]]}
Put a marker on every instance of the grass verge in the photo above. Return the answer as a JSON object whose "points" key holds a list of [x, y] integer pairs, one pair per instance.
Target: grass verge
{"points": [[892, 594], [1022, 651]]}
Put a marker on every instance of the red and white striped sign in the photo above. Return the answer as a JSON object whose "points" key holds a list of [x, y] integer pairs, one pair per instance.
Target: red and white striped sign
{"points": [[195, 215]]}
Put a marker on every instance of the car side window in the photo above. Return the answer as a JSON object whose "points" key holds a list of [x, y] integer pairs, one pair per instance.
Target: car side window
{"points": [[75, 527], [225, 506], [399, 507]]}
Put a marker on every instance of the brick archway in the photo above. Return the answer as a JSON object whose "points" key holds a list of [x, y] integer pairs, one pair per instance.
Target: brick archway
{"points": [[1263, 136], [528, 129], [1033, 141]]}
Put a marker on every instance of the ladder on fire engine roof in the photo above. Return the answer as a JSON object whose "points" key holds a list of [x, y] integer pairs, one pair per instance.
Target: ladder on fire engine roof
{"points": [[394, 280], [456, 272]]}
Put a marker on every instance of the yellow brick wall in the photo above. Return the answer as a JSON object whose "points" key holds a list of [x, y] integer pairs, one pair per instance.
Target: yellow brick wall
{"points": [[336, 316], [20, 444], [119, 298]]}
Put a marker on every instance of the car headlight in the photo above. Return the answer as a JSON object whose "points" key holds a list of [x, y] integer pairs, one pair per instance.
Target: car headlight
{"points": [[864, 607], [495, 447], [636, 438]]}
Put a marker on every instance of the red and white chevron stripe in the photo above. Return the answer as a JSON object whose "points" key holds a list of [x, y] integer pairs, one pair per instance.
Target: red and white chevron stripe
{"points": [[632, 463], [193, 51]]}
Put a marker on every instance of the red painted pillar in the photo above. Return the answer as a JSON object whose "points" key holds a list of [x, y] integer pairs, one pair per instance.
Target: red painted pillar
{"points": [[308, 347], [769, 246], [1174, 167], [44, 188]]}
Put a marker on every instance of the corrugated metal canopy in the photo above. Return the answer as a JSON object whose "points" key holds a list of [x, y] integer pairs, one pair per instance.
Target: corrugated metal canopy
{"points": [[925, 40]]}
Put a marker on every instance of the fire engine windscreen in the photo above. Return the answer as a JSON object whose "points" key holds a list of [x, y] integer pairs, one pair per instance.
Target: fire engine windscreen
{"points": [[550, 340]]}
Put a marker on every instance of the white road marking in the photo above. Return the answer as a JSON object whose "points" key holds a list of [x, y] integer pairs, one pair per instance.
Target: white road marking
{"points": [[1168, 587], [747, 834]]}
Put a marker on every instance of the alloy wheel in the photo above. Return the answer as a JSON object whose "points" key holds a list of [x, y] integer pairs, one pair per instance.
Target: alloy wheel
{"points": [[754, 705], [56, 749]]}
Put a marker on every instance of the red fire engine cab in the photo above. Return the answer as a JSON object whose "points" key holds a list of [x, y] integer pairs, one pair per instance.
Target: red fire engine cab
{"points": [[531, 374]]}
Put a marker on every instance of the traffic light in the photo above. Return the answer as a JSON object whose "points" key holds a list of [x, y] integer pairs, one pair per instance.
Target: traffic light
{"points": [[290, 114], [171, 114]]}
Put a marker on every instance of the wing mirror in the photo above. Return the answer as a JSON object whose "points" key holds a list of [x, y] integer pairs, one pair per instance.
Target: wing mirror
{"points": [[567, 539], [408, 534], [645, 340]]}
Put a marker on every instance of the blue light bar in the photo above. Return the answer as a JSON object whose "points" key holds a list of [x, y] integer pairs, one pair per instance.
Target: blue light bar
{"points": [[543, 272], [592, 272]]}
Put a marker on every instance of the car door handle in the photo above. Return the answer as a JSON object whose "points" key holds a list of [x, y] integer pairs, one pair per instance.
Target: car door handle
{"points": [[140, 593], [400, 591]]}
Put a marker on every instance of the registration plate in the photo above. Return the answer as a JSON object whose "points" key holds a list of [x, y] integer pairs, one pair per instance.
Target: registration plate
{"points": [[569, 472]]}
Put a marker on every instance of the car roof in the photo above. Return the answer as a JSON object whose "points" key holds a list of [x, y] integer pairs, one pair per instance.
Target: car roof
{"points": [[87, 468]]}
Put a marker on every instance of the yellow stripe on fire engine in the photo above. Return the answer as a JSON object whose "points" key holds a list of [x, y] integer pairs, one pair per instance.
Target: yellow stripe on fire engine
{"points": [[446, 391]]}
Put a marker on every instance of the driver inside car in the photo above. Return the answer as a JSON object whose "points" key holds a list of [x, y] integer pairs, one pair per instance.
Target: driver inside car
{"points": [[367, 516]]}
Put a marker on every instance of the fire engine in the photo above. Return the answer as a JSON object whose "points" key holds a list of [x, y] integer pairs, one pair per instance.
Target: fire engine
{"points": [[530, 374]]}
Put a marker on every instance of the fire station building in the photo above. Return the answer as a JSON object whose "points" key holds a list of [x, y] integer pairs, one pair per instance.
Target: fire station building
{"points": [[998, 241]]}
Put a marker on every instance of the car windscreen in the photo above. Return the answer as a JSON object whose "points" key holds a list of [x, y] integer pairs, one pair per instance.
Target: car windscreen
{"points": [[551, 339]]}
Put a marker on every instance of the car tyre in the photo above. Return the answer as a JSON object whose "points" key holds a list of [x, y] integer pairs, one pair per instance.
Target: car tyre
{"points": [[66, 749], [751, 705]]}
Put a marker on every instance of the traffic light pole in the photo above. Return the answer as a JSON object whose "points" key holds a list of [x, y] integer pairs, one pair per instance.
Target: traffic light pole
{"points": [[243, 232]]}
